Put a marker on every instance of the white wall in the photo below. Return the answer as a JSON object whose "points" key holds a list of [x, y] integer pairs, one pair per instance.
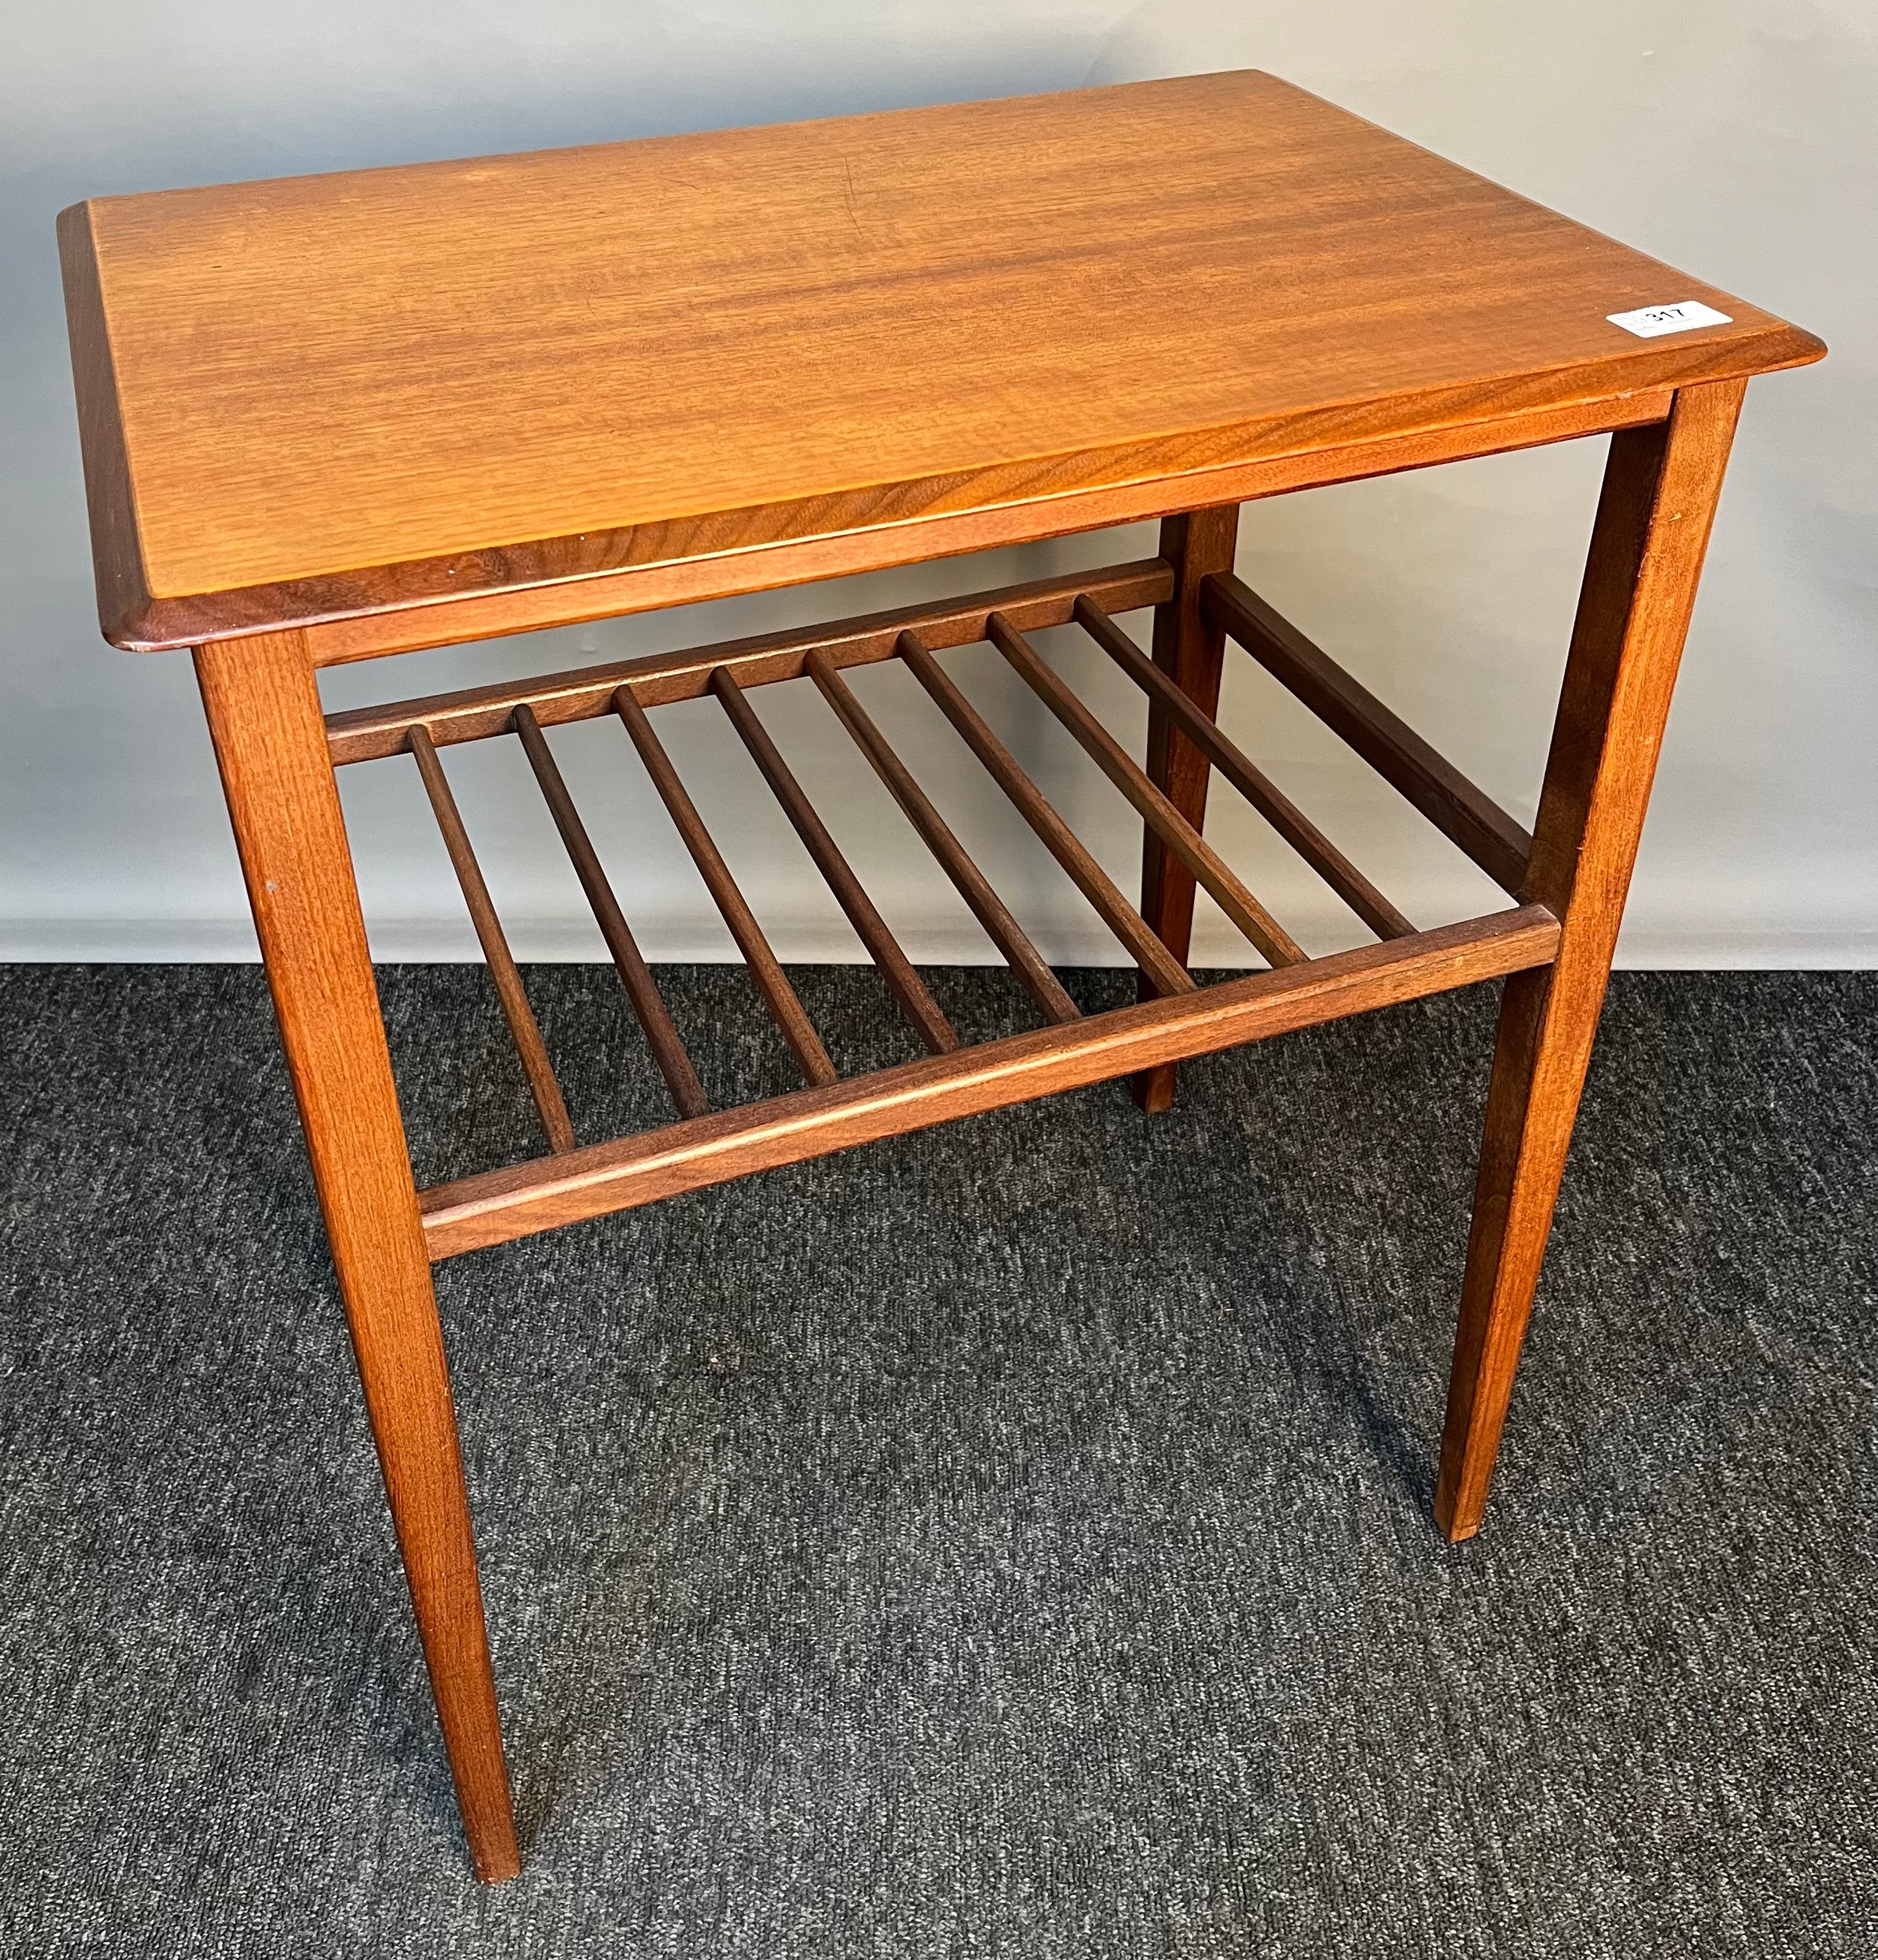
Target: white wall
{"points": [[1736, 138]]}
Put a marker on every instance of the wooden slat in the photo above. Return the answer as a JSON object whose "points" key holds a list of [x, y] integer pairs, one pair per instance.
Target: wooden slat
{"points": [[765, 968], [1166, 822], [522, 1027], [1063, 845], [900, 973], [1031, 969], [504, 1205], [360, 734], [661, 1036], [1368, 904], [1456, 807]]}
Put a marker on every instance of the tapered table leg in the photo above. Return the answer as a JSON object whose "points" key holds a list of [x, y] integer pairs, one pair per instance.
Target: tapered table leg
{"points": [[270, 742], [1661, 483], [1191, 650]]}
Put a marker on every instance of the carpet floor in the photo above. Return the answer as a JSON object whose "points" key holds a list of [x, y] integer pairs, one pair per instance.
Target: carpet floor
{"points": [[1012, 1540]]}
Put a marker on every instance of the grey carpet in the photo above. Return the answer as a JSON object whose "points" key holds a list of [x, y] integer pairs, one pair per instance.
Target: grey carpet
{"points": [[1009, 1541]]}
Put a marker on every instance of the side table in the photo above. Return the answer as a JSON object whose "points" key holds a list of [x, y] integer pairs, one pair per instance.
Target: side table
{"points": [[339, 418]]}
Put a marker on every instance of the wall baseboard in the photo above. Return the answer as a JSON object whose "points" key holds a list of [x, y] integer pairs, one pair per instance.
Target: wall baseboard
{"points": [[1646, 946]]}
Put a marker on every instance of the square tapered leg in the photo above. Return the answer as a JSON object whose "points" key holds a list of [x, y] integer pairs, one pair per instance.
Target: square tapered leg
{"points": [[270, 738], [1660, 487]]}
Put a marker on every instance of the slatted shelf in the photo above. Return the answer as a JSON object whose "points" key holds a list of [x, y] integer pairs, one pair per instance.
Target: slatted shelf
{"points": [[1176, 1018], [488, 1209]]}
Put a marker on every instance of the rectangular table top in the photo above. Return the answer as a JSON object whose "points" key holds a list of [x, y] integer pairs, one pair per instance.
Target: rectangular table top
{"points": [[318, 397]]}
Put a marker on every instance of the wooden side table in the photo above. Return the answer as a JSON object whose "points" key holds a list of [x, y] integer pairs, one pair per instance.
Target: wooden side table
{"points": [[333, 418]]}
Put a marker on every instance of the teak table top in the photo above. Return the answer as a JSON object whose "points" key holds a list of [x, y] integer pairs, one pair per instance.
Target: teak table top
{"points": [[325, 397]]}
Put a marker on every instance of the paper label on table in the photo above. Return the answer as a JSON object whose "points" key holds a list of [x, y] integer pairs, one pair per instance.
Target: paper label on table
{"points": [[1648, 322]]}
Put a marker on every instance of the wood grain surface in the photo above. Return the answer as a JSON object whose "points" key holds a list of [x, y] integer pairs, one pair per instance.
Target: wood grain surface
{"points": [[394, 611], [332, 395]]}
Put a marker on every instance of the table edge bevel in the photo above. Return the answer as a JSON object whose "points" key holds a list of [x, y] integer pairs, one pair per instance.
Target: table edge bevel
{"points": [[377, 610]]}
